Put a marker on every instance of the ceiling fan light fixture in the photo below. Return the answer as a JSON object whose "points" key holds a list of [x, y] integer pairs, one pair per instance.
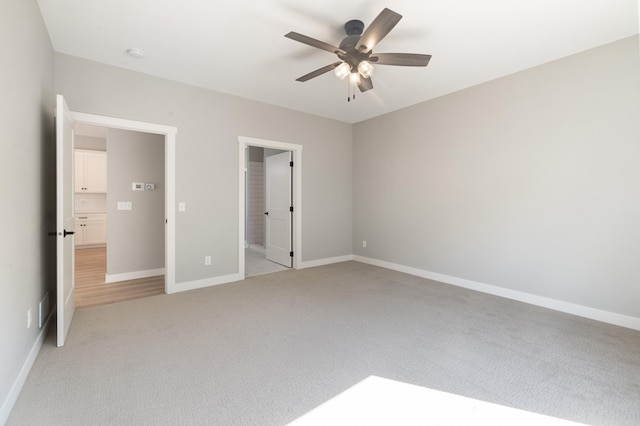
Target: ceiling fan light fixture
{"points": [[342, 70], [354, 78], [365, 68]]}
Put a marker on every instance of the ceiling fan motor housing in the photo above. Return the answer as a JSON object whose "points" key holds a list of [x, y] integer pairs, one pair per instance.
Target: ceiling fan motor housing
{"points": [[354, 27], [353, 56]]}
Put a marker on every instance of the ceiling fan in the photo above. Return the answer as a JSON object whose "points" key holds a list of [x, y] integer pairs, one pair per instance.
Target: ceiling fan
{"points": [[356, 51]]}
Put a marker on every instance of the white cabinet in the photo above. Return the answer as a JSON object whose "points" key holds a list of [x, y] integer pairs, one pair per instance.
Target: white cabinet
{"points": [[91, 229], [90, 171]]}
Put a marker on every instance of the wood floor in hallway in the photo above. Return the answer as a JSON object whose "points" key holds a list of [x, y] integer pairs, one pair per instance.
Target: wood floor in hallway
{"points": [[91, 290]]}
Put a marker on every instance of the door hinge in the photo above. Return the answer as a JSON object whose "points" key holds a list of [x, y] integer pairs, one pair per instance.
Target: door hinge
{"points": [[291, 208], [290, 163], [290, 254]]}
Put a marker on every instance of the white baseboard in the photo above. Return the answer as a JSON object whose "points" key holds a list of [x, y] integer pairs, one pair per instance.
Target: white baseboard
{"points": [[207, 282], [114, 278], [16, 388], [89, 246], [532, 299], [225, 279], [326, 261]]}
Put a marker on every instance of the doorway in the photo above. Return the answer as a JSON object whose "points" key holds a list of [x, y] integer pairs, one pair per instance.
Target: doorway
{"points": [[168, 134], [253, 241], [268, 227], [119, 254]]}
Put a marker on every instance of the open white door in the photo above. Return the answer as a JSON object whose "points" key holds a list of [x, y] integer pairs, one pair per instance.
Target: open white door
{"points": [[278, 208], [64, 219]]}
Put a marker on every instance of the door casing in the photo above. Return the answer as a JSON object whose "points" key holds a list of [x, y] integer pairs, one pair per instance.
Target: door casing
{"points": [[169, 133]]}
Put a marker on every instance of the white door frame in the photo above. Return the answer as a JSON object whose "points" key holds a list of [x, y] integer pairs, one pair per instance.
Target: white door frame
{"points": [[296, 150], [169, 133]]}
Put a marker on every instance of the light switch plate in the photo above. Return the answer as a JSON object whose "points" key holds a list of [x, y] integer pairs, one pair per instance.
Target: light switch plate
{"points": [[182, 206], [125, 205]]}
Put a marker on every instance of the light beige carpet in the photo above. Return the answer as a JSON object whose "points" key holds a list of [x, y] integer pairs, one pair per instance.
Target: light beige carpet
{"points": [[267, 350]]}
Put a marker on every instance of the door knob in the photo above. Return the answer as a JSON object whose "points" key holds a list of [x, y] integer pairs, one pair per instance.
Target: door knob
{"points": [[64, 234], [267, 213]]}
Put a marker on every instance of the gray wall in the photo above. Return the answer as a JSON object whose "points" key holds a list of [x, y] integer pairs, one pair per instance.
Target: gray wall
{"points": [[209, 124], [27, 181], [529, 182], [256, 153], [135, 238]]}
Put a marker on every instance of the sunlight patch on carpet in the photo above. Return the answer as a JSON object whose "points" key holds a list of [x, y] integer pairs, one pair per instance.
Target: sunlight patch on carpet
{"points": [[380, 401]]}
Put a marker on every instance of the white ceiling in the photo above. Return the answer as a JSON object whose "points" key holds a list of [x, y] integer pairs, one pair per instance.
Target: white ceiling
{"points": [[238, 46]]}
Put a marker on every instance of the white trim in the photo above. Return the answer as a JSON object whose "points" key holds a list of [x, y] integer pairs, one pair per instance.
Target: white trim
{"points": [[18, 384], [121, 123], [283, 146], [207, 282], [170, 211], [326, 261], [169, 133], [296, 150], [532, 299], [241, 203], [114, 278], [89, 246]]}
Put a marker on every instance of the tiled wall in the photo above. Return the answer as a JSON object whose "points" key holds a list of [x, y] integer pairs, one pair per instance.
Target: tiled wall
{"points": [[255, 203]]}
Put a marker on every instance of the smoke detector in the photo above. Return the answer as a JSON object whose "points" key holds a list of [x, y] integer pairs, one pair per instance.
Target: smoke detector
{"points": [[135, 53]]}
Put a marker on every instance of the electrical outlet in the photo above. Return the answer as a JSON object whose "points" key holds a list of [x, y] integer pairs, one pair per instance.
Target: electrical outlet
{"points": [[364, 243], [207, 260], [29, 318]]}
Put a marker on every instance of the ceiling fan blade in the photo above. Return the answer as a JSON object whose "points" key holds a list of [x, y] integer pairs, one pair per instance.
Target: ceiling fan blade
{"points": [[378, 29], [314, 43], [402, 59], [319, 71], [365, 84]]}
